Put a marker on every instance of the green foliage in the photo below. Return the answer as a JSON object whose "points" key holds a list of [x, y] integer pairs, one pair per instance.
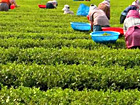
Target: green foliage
{"points": [[55, 43], [76, 77], [101, 57], [28, 96]]}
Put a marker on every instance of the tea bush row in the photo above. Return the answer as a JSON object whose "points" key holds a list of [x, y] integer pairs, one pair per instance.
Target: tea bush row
{"points": [[101, 56], [56, 43], [48, 35], [28, 96], [70, 76]]}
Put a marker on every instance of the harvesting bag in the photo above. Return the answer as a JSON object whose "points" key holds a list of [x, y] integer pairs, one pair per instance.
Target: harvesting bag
{"points": [[83, 10]]}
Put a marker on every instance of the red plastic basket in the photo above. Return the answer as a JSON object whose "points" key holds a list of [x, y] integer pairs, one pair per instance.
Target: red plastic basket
{"points": [[12, 7], [42, 6], [116, 29]]}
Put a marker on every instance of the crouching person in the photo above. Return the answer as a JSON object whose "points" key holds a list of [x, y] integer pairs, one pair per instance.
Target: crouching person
{"points": [[5, 4], [97, 18], [66, 10], [132, 29], [52, 4]]}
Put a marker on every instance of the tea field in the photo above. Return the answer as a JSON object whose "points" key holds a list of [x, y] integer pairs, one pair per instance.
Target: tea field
{"points": [[43, 61]]}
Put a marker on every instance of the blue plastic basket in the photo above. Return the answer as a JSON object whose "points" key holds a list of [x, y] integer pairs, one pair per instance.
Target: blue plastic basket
{"points": [[80, 26], [99, 38]]}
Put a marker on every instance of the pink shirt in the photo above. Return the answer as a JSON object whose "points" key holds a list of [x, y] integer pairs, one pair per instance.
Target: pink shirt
{"points": [[98, 17]]}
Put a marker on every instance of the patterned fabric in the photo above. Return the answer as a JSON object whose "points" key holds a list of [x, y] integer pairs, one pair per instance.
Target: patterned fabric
{"points": [[132, 29], [4, 7], [98, 17], [129, 22], [132, 19], [132, 37]]}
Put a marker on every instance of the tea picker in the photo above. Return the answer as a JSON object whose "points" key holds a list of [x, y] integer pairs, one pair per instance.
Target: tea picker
{"points": [[49, 5], [52, 4], [66, 10], [5, 5]]}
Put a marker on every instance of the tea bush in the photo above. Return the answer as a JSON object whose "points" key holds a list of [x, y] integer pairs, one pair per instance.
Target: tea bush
{"points": [[75, 77]]}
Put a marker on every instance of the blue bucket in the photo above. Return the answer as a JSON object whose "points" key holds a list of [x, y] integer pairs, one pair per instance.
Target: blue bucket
{"points": [[99, 37]]}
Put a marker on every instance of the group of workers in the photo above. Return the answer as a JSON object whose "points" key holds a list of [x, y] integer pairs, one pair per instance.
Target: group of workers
{"points": [[99, 17], [130, 18], [5, 4]]}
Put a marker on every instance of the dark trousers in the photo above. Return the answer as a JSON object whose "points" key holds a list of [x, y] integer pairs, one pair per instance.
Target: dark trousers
{"points": [[99, 27]]}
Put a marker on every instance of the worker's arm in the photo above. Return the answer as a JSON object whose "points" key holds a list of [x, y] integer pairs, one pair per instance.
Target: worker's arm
{"points": [[91, 20], [91, 23]]}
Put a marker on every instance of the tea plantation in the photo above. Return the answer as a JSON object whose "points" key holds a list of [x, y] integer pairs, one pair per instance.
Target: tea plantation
{"points": [[43, 61]]}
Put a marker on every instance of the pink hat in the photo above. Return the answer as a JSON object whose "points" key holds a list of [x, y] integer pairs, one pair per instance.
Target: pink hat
{"points": [[133, 13]]}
